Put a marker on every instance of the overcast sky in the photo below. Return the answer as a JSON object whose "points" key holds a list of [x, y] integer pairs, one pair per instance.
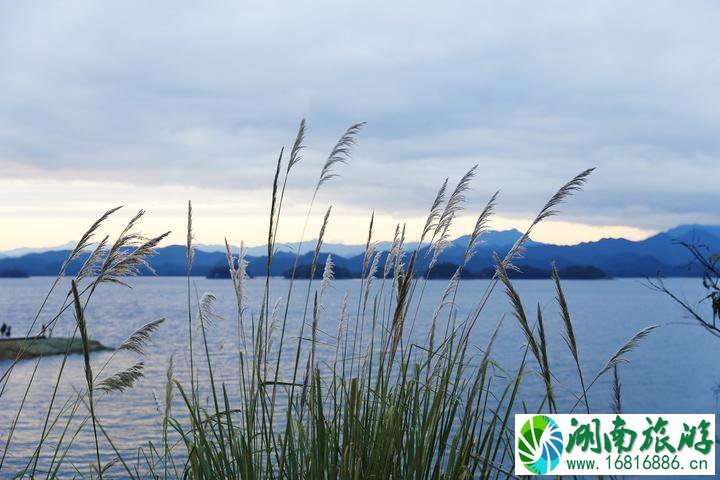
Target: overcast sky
{"points": [[149, 104]]}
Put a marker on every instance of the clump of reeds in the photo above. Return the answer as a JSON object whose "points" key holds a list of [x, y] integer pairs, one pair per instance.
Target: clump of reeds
{"points": [[392, 404]]}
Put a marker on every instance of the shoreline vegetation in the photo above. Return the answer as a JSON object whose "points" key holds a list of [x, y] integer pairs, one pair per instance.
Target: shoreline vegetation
{"points": [[391, 404]]}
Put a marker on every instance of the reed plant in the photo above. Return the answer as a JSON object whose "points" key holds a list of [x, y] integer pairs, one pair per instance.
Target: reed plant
{"points": [[392, 403]]}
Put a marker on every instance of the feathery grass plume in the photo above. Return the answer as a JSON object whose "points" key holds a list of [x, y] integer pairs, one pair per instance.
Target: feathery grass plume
{"points": [[206, 309], [440, 238], [273, 210], [372, 272], [238, 274], [130, 265], [400, 255], [274, 324], [339, 154], [548, 210], [127, 237], [480, 228], [139, 338], [369, 245], [86, 238], [435, 210], [121, 262], [392, 253], [190, 238], [343, 319], [328, 276], [91, 266], [295, 153], [569, 335], [616, 404], [230, 260], [619, 356], [122, 380]]}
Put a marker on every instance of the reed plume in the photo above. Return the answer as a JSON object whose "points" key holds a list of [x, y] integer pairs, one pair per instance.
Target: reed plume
{"points": [[122, 380], [137, 341], [339, 154]]}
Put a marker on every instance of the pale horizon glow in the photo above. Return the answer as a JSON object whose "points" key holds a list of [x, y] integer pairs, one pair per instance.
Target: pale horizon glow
{"points": [[217, 215]]}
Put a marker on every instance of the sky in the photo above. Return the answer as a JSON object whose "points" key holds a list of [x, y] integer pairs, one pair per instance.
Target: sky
{"points": [[150, 104]]}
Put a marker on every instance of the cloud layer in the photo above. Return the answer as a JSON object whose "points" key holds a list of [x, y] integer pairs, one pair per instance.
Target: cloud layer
{"points": [[204, 95]]}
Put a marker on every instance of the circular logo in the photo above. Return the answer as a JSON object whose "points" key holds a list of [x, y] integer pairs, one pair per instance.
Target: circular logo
{"points": [[540, 444]]}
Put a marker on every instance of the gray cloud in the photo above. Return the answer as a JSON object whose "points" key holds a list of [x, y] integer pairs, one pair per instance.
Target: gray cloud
{"points": [[171, 93]]}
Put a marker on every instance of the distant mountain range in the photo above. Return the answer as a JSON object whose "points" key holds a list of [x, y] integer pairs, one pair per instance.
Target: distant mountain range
{"points": [[607, 257]]}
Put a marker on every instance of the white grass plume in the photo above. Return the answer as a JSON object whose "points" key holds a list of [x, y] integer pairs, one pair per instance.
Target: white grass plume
{"points": [[343, 317], [140, 337], [91, 266], [371, 274], [274, 323], [619, 356], [295, 153], [122, 380], [370, 246], [238, 274], [392, 253], [206, 309], [339, 154], [128, 254], [481, 226], [328, 276], [441, 236], [86, 238], [435, 211], [548, 210]]}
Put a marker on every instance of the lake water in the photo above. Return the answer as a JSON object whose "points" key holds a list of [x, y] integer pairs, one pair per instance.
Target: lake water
{"points": [[673, 371]]}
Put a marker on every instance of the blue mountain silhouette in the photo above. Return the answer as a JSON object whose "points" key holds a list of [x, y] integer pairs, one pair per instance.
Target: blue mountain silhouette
{"points": [[660, 254]]}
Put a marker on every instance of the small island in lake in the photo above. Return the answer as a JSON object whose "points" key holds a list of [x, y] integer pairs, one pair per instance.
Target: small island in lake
{"points": [[524, 272], [13, 273], [31, 347], [303, 271], [221, 272]]}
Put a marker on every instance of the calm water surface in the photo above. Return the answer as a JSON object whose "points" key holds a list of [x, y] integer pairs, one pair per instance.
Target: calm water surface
{"points": [[673, 371]]}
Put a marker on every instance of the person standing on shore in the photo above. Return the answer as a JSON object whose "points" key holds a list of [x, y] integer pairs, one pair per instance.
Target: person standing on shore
{"points": [[2, 329]]}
